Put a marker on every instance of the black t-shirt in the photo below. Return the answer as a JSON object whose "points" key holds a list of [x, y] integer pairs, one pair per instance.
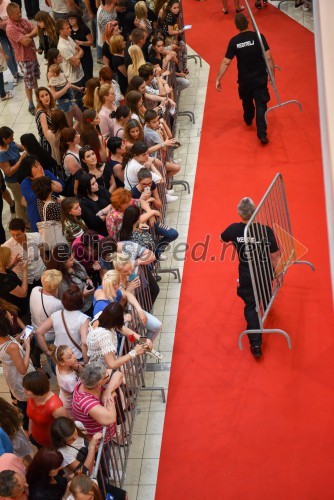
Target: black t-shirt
{"points": [[9, 282], [90, 208], [265, 243], [81, 35], [153, 59], [246, 48], [127, 58], [137, 194], [106, 53], [110, 164], [122, 80]]}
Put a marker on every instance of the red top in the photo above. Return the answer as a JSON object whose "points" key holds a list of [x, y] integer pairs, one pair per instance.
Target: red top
{"points": [[41, 418], [16, 30]]}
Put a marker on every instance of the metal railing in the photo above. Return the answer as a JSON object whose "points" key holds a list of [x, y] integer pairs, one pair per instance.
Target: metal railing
{"points": [[269, 226]]}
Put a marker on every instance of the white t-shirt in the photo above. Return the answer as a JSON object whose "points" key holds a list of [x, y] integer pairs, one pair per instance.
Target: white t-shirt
{"points": [[74, 321], [36, 266], [69, 453], [60, 6], [131, 174], [67, 48], [66, 383], [38, 316]]}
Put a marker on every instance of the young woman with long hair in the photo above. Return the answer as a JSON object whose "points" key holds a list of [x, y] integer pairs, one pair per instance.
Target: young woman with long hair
{"points": [[45, 105], [116, 149], [133, 132], [122, 116], [135, 102], [45, 476], [104, 101], [32, 147], [73, 225], [116, 47], [101, 171], [90, 134], [69, 150], [112, 29], [11, 422], [94, 202], [138, 60], [58, 123], [88, 99], [83, 37], [70, 439], [171, 30], [46, 30]]}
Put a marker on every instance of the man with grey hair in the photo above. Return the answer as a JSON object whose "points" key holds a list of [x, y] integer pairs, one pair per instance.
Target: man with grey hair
{"points": [[268, 250]]}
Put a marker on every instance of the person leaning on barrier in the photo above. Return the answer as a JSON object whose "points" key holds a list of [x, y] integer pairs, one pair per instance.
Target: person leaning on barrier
{"points": [[252, 74], [235, 234]]}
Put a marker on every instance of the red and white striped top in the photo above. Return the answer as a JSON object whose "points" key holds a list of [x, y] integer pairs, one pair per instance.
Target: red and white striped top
{"points": [[82, 404]]}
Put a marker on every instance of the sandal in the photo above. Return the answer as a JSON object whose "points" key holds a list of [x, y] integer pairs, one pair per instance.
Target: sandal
{"points": [[9, 95], [240, 9]]}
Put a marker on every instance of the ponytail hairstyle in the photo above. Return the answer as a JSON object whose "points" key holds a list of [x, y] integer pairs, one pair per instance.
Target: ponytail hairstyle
{"points": [[100, 93], [138, 148], [89, 133]]}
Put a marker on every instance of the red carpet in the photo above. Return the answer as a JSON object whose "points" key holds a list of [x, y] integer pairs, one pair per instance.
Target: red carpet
{"points": [[235, 428]]}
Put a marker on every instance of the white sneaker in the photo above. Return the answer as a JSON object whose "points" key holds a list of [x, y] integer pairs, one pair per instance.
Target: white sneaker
{"points": [[170, 198], [170, 191], [162, 257]]}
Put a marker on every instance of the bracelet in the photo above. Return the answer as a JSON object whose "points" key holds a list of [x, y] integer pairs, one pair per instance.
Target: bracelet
{"points": [[131, 337], [133, 353], [162, 145]]}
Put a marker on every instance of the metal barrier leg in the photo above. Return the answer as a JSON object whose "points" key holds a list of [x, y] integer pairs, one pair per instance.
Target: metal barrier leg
{"points": [[189, 114], [161, 389], [305, 262], [172, 270], [269, 330], [195, 57], [184, 184]]}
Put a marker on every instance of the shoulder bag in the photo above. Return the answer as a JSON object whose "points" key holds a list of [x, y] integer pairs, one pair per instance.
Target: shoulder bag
{"points": [[50, 230], [68, 333]]}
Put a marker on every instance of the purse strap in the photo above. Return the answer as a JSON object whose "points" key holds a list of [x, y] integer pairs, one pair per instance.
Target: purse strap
{"points": [[46, 314], [68, 333]]}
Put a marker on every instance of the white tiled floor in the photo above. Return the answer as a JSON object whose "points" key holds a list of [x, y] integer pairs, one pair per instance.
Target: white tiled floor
{"points": [[145, 449]]}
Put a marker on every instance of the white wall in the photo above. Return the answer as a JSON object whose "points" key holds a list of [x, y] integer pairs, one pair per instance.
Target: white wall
{"points": [[324, 43]]}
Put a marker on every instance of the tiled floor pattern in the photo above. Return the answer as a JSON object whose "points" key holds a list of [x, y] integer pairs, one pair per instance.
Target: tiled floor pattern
{"points": [[145, 449]]}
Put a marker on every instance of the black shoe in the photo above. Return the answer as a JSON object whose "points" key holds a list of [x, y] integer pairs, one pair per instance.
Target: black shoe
{"points": [[248, 122], [264, 140], [157, 278], [258, 5], [256, 351]]}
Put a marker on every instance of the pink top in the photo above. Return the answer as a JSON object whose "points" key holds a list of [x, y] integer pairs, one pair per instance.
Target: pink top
{"points": [[106, 123], [17, 30], [82, 404]]}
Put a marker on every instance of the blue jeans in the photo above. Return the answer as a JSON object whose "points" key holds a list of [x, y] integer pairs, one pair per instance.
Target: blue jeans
{"points": [[2, 86], [98, 52], [168, 235], [11, 63], [153, 326]]}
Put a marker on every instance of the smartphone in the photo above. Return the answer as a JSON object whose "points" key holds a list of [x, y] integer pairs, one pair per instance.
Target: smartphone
{"points": [[89, 286], [27, 332], [132, 276]]}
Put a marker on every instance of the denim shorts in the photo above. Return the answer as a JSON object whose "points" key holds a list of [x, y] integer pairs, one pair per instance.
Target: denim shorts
{"points": [[65, 104]]}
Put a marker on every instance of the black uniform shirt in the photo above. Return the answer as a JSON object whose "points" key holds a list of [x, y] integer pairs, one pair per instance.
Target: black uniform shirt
{"points": [[246, 48]]}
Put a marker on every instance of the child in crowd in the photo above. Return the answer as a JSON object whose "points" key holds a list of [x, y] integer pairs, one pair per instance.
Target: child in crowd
{"points": [[73, 225], [67, 371], [58, 82]]}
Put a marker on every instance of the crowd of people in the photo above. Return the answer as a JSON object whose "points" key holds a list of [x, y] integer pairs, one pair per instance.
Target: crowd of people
{"points": [[87, 198]]}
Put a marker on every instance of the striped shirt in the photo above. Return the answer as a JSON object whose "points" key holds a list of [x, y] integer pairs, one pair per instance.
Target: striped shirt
{"points": [[82, 404]]}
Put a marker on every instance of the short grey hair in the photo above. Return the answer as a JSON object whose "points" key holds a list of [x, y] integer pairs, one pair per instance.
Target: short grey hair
{"points": [[93, 373], [246, 208]]}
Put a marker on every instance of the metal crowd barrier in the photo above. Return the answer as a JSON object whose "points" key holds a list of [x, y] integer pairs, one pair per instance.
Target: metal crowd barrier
{"points": [[270, 73], [271, 217]]}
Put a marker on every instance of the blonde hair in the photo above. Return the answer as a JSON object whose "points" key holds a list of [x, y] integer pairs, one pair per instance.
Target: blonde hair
{"points": [[121, 260], [5, 256], [51, 280], [58, 353], [141, 10], [138, 60], [116, 44], [109, 279], [100, 93]]}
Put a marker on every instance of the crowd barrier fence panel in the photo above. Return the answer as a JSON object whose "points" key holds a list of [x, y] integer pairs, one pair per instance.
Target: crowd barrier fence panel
{"points": [[270, 73], [271, 215]]}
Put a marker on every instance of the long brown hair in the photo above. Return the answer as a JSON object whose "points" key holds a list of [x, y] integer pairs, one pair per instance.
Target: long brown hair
{"points": [[89, 134], [10, 418], [39, 104], [49, 26]]}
